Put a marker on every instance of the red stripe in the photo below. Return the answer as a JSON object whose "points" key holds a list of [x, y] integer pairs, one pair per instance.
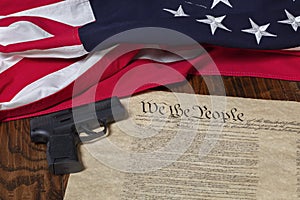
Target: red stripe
{"points": [[64, 35], [274, 64], [27, 71], [13, 6]]}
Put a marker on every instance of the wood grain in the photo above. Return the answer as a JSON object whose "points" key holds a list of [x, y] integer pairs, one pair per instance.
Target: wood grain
{"points": [[258, 88], [23, 166]]}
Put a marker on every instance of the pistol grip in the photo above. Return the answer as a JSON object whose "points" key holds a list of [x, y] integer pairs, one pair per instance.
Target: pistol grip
{"points": [[62, 154]]}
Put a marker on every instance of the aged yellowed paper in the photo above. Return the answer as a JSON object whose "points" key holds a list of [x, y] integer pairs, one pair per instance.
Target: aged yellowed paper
{"points": [[181, 146]]}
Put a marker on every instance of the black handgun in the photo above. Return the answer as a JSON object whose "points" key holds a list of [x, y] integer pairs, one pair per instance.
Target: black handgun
{"points": [[61, 130]]}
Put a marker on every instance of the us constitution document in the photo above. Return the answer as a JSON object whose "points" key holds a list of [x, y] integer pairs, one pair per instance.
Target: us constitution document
{"points": [[178, 146]]}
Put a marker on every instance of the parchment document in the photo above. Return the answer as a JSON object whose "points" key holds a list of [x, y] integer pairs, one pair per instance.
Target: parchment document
{"points": [[181, 146]]}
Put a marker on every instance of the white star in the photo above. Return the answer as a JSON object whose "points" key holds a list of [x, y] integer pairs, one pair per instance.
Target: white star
{"points": [[223, 1], [177, 13], [214, 22], [294, 21], [259, 31]]}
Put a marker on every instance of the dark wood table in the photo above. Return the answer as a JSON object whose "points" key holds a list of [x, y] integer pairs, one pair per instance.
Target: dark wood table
{"points": [[23, 167]]}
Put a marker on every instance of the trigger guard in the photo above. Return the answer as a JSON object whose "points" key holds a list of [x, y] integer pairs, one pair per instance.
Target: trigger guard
{"points": [[92, 134]]}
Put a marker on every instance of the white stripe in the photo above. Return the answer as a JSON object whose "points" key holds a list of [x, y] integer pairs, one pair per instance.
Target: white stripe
{"points": [[74, 51], [54, 82], [159, 55], [71, 12], [293, 49], [22, 31], [7, 62], [10, 59]]}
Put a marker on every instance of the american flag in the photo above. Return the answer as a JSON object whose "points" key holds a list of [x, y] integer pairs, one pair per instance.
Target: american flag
{"points": [[44, 46]]}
